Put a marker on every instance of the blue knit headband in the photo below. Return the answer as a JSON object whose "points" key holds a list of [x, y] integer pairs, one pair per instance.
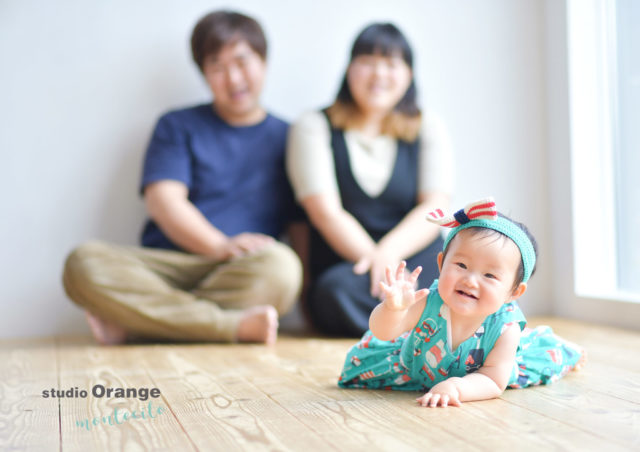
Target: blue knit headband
{"points": [[483, 214]]}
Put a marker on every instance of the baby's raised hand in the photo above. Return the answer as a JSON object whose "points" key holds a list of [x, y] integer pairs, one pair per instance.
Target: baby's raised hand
{"points": [[399, 291]]}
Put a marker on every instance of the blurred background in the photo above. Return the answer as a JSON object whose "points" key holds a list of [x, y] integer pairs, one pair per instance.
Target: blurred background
{"points": [[82, 84]]}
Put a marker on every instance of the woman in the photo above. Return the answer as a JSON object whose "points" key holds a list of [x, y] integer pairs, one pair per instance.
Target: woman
{"points": [[367, 170]]}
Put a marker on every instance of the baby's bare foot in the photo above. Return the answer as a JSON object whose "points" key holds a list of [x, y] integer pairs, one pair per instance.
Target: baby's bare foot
{"points": [[581, 363], [106, 333], [258, 324]]}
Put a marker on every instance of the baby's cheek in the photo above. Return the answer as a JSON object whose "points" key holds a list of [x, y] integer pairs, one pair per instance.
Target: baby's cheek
{"points": [[445, 283]]}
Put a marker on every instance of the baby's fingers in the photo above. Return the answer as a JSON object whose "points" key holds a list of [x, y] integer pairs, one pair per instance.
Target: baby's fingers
{"points": [[400, 270], [386, 290], [424, 400], [414, 275], [421, 294], [432, 400], [389, 275]]}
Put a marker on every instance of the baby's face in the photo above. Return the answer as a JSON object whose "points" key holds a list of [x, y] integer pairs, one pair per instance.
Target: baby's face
{"points": [[477, 275]]}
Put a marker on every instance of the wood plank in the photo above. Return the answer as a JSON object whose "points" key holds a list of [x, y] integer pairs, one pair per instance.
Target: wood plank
{"points": [[253, 397], [609, 418], [27, 420], [391, 415], [346, 419], [113, 367], [217, 408], [612, 381], [496, 424], [393, 407], [578, 431]]}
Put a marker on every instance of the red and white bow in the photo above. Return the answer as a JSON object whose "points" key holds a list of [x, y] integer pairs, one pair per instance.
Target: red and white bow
{"points": [[481, 209]]}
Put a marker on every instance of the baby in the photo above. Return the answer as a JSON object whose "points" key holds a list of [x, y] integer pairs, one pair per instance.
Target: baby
{"points": [[464, 338]]}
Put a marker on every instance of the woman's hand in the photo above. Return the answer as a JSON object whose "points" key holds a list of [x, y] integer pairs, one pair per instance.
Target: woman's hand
{"points": [[376, 263], [399, 291], [443, 394]]}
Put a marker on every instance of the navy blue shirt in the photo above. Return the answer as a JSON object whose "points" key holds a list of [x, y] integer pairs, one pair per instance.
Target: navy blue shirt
{"points": [[235, 175]]}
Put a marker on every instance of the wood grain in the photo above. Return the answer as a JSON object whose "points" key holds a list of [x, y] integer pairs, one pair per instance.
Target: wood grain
{"points": [[114, 367], [285, 397], [27, 420]]}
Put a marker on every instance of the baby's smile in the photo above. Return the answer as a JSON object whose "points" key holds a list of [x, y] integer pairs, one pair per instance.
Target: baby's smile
{"points": [[466, 294]]}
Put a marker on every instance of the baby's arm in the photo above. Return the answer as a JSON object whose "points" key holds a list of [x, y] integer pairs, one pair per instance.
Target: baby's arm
{"points": [[402, 305], [488, 382]]}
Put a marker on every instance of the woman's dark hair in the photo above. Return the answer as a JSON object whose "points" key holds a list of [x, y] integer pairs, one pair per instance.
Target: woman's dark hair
{"points": [[383, 39], [219, 28], [486, 232]]}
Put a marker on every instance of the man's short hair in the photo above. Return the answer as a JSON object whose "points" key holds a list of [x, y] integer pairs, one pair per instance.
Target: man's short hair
{"points": [[219, 28]]}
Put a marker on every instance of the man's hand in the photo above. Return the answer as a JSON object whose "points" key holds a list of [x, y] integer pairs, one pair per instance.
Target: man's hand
{"points": [[244, 244]]}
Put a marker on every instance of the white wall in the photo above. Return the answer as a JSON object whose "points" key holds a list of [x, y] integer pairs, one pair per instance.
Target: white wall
{"points": [[83, 83]]}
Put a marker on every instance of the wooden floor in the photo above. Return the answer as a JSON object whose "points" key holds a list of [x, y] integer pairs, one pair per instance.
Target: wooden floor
{"points": [[250, 397]]}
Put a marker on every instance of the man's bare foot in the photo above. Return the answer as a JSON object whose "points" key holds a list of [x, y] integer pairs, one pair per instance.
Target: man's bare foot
{"points": [[258, 324], [106, 333]]}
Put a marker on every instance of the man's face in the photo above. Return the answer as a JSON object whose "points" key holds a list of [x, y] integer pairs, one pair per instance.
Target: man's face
{"points": [[235, 76]]}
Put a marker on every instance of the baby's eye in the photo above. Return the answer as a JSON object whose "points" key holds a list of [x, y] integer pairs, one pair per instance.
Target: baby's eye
{"points": [[461, 265], [490, 276]]}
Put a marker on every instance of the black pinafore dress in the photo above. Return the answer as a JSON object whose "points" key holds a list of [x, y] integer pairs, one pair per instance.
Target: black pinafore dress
{"points": [[340, 301]]}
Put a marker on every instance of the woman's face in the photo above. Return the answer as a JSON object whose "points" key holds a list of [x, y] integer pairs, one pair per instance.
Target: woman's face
{"points": [[378, 82]]}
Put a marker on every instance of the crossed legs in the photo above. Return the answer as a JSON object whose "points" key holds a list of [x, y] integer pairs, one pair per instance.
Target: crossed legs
{"points": [[177, 296]]}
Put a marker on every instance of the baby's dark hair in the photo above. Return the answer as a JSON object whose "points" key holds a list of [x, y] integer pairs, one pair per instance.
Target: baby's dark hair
{"points": [[486, 232]]}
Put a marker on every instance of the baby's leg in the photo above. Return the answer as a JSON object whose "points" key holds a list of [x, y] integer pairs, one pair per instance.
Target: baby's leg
{"points": [[583, 356], [545, 357]]}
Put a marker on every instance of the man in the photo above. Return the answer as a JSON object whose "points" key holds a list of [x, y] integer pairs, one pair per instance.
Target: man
{"points": [[214, 185]]}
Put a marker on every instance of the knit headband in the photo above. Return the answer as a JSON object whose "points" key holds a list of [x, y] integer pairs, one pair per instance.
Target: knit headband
{"points": [[483, 214]]}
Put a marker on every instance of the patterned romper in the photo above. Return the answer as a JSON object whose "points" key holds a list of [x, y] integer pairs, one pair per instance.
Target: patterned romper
{"points": [[422, 357]]}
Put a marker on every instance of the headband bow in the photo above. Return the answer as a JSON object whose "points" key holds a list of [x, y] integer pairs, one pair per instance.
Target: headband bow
{"points": [[481, 209], [483, 214]]}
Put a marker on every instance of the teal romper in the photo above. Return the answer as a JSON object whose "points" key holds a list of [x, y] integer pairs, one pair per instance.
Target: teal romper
{"points": [[421, 358]]}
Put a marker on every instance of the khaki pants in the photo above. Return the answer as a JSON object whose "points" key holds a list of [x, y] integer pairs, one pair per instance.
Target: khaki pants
{"points": [[173, 295]]}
